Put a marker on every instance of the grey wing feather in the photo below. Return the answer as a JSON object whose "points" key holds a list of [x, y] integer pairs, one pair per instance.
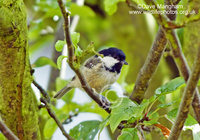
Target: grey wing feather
{"points": [[92, 62], [62, 92]]}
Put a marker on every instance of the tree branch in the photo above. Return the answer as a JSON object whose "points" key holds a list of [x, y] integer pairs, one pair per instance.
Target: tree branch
{"points": [[149, 67], [73, 25], [66, 27], [183, 67], [46, 100], [165, 22], [187, 99], [178, 57], [99, 99], [7, 132], [151, 62], [44, 93], [53, 115]]}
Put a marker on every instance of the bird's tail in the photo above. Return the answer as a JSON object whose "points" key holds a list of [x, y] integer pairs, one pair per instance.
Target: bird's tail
{"points": [[62, 92]]}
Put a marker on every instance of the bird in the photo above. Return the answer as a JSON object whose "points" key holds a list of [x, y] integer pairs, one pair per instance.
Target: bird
{"points": [[99, 72]]}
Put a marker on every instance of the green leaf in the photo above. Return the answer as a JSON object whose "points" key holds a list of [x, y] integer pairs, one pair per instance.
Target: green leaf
{"points": [[128, 134], [172, 115], [2, 136], [153, 118], [170, 86], [49, 128], [142, 107], [59, 45], [84, 11], [92, 107], [86, 130], [122, 109], [131, 120], [190, 121], [161, 98], [78, 51], [42, 61], [111, 6], [75, 37], [102, 125], [59, 60], [167, 104]]}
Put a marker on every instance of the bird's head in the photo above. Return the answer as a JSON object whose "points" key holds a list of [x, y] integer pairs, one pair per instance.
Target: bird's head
{"points": [[113, 59]]}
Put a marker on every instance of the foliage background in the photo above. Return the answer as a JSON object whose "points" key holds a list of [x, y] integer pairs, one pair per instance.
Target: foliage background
{"points": [[134, 34]]}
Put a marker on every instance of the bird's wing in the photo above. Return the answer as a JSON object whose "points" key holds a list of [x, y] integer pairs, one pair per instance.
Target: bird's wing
{"points": [[93, 61]]}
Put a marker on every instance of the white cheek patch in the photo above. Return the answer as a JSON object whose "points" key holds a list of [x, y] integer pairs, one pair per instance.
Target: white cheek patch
{"points": [[109, 61]]}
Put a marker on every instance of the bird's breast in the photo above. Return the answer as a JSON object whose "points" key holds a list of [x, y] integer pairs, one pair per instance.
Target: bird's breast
{"points": [[100, 79]]}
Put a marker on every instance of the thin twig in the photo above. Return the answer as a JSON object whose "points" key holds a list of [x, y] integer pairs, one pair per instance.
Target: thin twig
{"points": [[53, 115], [44, 93], [46, 100], [66, 27], [99, 99], [69, 119], [187, 99], [7, 132]]}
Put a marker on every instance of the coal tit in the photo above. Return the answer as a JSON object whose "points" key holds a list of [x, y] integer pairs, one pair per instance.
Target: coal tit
{"points": [[100, 72]]}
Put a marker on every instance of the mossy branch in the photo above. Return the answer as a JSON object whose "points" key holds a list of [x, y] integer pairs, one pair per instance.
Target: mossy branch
{"points": [[19, 110], [151, 62], [150, 66], [178, 55], [168, 26], [99, 99], [183, 67], [187, 99]]}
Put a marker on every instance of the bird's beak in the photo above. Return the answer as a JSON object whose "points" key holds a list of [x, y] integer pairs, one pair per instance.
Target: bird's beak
{"points": [[125, 63]]}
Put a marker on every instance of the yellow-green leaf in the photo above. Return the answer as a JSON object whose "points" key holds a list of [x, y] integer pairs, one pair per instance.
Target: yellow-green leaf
{"points": [[42, 61]]}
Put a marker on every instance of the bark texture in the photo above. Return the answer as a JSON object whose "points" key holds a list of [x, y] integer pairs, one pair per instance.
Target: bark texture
{"points": [[18, 106]]}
